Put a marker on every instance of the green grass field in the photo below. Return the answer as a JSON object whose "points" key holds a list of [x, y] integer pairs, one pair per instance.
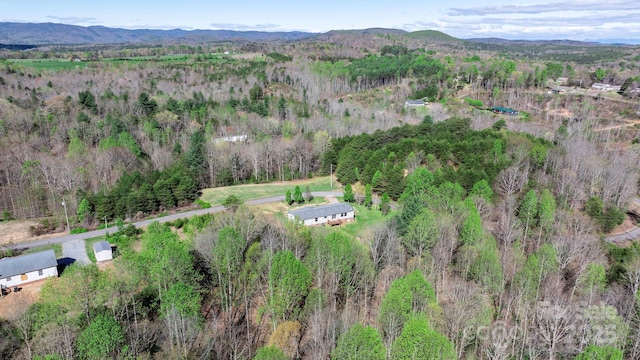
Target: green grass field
{"points": [[49, 64], [365, 220], [64, 64], [216, 196], [57, 249]]}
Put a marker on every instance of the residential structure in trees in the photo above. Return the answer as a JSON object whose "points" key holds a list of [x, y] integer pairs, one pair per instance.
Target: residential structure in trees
{"points": [[331, 214]]}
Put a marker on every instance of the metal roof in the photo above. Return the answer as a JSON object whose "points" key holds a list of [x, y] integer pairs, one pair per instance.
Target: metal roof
{"points": [[101, 246], [312, 212], [415, 102], [507, 110], [23, 264]]}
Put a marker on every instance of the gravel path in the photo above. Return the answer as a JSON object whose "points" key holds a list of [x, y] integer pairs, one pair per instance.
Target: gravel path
{"points": [[76, 250]]}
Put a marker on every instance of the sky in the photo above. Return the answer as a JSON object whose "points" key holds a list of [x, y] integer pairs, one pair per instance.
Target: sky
{"points": [[515, 19]]}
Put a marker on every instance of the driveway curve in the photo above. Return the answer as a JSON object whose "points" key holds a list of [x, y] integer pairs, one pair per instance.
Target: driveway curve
{"points": [[632, 234]]}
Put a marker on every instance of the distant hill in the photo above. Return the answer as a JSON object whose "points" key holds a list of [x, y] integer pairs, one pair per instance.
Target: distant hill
{"points": [[12, 33], [340, 35], [433, 36], [499, 41], [370, 31]]}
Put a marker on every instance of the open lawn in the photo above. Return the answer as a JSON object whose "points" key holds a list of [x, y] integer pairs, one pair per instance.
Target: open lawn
{"points": [[49, 64], [57, 249], [280, 209], [64, 64], [215, 196], [366, 219]]}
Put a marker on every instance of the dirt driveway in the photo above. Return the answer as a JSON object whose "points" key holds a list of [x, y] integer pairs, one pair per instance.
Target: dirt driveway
{"points": [[75, 249], [13, 305]]}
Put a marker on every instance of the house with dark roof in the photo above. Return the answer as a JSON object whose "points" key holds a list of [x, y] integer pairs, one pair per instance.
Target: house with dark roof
{"points": [[23, 269], [331, 214], [102, 250], [504, 111]]}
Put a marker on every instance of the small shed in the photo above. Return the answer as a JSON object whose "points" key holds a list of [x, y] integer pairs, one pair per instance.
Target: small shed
{"points": [[331, 214], [103, 252], [18, 270]]}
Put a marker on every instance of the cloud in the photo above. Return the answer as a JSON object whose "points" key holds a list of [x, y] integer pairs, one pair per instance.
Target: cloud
{"points": [[598, 20], [576, 20], [74, 19], [546, 8], [244, 27], [592, 26]]}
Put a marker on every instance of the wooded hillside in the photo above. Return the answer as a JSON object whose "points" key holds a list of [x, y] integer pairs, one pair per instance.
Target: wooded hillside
{"points": [[495, 247]]}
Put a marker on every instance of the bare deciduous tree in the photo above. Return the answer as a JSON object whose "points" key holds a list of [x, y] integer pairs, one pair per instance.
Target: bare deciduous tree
{"points": [[510, 181], [385, 245]]}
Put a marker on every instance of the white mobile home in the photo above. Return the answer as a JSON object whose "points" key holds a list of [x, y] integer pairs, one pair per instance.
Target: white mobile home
{"points": [[331, 214], [23, 269]]}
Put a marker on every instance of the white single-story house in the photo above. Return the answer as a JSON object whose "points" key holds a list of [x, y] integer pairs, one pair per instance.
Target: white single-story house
{"points": [[23, 269], [414, 103], [103, 252], [605, 87], [234, 138], [332, 214]]}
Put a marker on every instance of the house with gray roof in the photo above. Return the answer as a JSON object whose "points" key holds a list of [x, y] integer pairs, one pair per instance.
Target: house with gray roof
{"points": [[23, 269], [331, 214], [414, 103], [102, 250]]}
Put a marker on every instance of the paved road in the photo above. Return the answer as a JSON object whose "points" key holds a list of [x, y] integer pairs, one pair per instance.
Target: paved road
{"points": [[64, 238], [76, 250], [632, 234]]}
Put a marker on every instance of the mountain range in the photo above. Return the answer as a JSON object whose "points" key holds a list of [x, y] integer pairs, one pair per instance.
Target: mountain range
{"points": [[14, 35]]}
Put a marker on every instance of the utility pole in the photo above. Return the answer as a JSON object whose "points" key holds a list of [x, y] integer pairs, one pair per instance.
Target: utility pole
{"points": [[64, 204]]}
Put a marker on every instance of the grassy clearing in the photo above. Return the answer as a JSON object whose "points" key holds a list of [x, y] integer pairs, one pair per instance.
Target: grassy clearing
{"points": [[57, 249], [279, 210], [64, 64], [49, 64], [365, 220], [216, 196]]}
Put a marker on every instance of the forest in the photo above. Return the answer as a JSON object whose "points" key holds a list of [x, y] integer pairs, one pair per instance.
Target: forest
{"points": [[495, 245]]}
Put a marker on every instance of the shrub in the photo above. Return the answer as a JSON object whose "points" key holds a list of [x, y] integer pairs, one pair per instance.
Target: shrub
{"points": [[474, 103], [6, 215], [232, 202], [203, 204]]}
